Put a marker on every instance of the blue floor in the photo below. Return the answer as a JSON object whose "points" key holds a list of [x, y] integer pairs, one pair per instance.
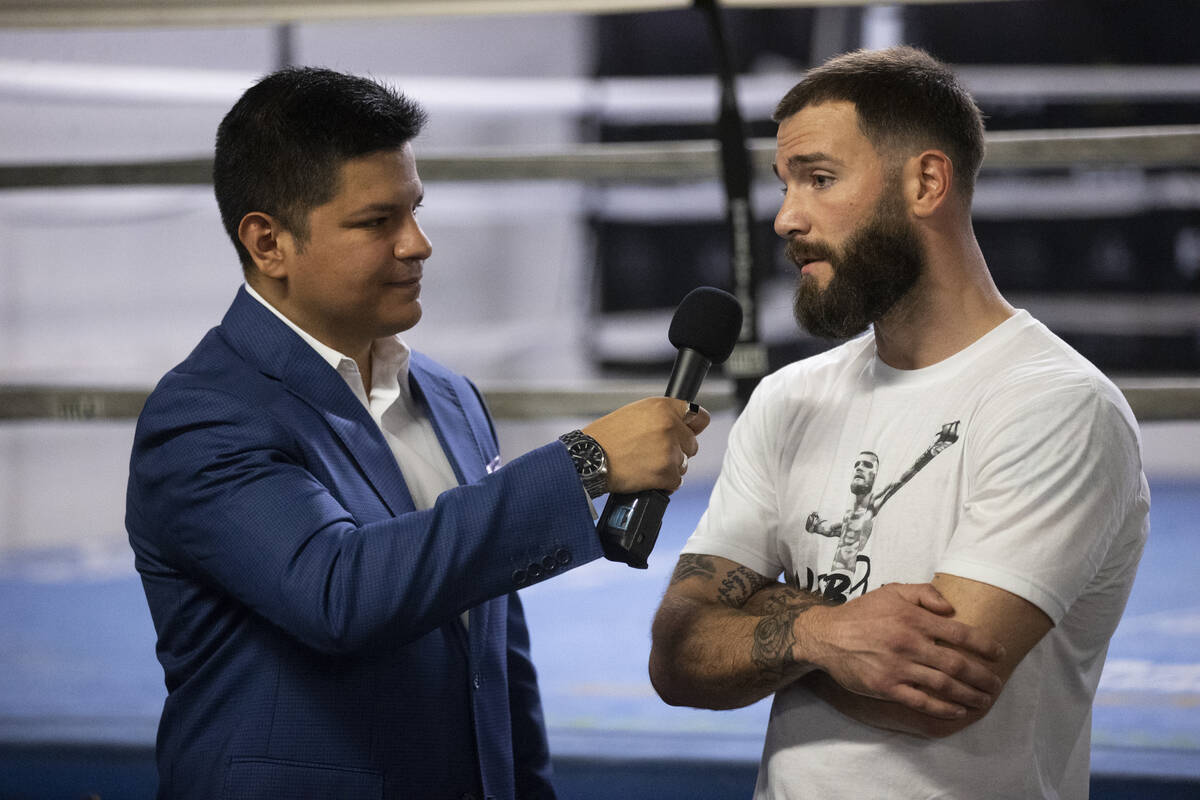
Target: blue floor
{"points": [[80, 680]]}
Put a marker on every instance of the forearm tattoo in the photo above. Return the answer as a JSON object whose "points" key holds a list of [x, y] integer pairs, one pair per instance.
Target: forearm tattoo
{"points": [[738, 585], [691, 566], [776, 609], [774, 636]]}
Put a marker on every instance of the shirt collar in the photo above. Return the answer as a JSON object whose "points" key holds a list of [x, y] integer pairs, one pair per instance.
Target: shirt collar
{"points": [[389, 354]]}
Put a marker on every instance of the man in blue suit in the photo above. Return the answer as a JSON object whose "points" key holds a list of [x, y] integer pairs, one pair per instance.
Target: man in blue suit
{"points": [[328, 545]]}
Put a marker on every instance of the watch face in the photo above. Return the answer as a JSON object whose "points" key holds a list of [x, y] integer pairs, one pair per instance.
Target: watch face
{"points": [[588, 456]]}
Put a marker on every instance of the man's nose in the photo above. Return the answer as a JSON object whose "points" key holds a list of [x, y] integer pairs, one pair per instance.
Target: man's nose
{"points": [[792, 218], [413, 243]]}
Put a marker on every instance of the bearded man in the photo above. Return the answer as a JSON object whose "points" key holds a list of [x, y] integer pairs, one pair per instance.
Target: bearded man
{"points": [[967, 664]]}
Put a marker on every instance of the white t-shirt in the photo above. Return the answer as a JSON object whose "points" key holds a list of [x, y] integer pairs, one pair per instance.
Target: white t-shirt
{"points": [[1015, 463]]}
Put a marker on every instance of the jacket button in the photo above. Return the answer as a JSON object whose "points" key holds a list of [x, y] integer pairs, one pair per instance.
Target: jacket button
{"points": [[563, 556], [519, 577], [549, 564], [475, 680], [534, 570]]}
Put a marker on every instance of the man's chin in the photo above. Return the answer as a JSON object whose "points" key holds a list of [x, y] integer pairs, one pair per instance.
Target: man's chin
{"points": [[810, 310], [404, 319], [818, 325]]}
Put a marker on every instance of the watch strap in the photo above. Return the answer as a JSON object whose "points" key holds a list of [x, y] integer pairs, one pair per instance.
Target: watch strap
{"points": [[591, 462]]}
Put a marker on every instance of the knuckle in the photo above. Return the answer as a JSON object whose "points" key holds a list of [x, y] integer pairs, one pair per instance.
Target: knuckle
{"points": [[955, 664], [923, 703], [903, 642], [940, 682], [958, 634]]}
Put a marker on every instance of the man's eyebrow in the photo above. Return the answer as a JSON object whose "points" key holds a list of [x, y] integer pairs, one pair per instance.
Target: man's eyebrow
{"points": [[374, 208], [804, 159], [381, 208], [799, 160]]}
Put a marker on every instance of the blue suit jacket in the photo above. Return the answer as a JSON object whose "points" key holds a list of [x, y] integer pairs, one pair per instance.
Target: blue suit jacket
{"points": [[307, 616]]}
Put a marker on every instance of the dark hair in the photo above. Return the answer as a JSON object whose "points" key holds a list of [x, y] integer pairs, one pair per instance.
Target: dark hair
{"points": [[280, 147], [906, 101]]}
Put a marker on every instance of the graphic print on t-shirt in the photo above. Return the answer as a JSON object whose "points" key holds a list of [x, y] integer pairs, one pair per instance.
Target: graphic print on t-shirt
{"points": [[855, 528]]}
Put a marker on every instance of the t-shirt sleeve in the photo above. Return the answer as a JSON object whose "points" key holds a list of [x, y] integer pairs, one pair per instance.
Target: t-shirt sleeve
{"points": [[742, 515], [1054, 480]]}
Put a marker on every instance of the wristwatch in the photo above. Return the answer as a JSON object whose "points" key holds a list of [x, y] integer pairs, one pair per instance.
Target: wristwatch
{"points": [[590, 461]]}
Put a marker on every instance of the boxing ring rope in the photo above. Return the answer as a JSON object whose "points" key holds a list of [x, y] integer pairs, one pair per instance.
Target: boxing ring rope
{"points": [[144, 13], [1152, 400], [1148, 146]]}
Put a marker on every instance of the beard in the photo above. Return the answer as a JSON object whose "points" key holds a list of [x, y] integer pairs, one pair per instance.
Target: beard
{"points": [[879, 264]]}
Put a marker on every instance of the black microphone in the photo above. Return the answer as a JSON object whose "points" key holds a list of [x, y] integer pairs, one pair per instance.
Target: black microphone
{"points": [[705, 329]]}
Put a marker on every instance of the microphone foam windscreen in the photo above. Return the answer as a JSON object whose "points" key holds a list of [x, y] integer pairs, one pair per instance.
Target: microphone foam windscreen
{"points": [[707, 321]]}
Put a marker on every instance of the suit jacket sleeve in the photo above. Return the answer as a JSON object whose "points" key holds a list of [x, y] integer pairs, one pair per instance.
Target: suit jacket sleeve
{"points": [[248, 499]]}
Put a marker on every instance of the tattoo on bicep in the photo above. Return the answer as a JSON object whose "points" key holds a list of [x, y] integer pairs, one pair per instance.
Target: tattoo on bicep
{"points": [[738, 585], [692, 565]]}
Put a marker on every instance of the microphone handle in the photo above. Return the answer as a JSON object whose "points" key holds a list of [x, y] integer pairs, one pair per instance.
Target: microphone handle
{"points": [[629, 525], [687, 375]]}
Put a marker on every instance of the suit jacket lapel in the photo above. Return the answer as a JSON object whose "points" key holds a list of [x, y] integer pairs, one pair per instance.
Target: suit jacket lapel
{"points": [[279, 353], [456, 429]]}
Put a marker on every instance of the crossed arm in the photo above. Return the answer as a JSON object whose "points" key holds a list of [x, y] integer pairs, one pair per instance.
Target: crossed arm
{"points": [[926, 659]]}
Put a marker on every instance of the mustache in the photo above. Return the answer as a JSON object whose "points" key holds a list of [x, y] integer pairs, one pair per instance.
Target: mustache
{"points": [[799, 251]]}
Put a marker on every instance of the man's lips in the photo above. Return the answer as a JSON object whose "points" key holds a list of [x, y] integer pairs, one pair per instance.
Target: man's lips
{"points": [[805, 255]]}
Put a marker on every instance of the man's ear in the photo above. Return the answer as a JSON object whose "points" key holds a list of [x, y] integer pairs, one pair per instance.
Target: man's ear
{"points": [[267, 242], [933, 174]]}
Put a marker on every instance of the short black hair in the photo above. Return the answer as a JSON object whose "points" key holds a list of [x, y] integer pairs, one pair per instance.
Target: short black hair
{"points": [[906, 101], [280, 147]]}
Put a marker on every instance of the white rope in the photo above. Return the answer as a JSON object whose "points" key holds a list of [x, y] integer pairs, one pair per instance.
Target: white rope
{"points": [[1174, 145], [635, 99], [147, 13], [1152, 400]]}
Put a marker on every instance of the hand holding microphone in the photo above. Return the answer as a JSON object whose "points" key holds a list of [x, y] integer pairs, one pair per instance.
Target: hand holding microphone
{"points": [[645, 443], [704, 329]]}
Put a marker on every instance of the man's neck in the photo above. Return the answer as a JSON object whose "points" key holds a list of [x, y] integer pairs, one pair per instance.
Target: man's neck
{"points": [[953, 305]]}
